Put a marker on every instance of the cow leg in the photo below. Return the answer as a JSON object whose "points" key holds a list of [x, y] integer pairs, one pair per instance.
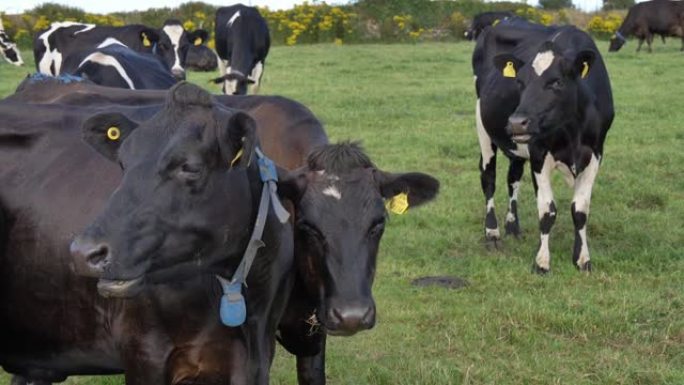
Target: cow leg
{"points": [[580, 213], [541, 172], [311, 369], [257, 72], [649, 42], [641, 42], [515, 172], [19, 380], [487, 180]]}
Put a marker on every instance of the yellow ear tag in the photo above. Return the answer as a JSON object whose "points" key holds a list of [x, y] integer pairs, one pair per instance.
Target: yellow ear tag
{"points": [[398, 204], [509, 70], [113, 133], [145, 40], [585, 69], [497, 21], [237, 157], [198, 41]]}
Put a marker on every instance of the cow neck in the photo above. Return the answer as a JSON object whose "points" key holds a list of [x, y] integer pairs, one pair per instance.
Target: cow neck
{"points": [[233, 310]]}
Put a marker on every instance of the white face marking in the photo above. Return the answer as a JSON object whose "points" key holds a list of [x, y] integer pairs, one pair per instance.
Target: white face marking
{"points": [[332, 191], [174, 32], [110, 41], [483, 137], [542, 62], [232, 19], [51, 54], [107, 60], [229, 86]]}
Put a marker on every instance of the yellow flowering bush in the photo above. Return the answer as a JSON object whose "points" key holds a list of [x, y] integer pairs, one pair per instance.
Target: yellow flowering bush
{"points": [[307, 23], [604, 26]]}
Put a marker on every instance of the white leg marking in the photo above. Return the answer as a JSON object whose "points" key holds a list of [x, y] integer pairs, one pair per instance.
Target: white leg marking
{"points": [[544, 199], [256, 75], [543, 258], [514, 198], [491, 233], [582, 201], [483, 137]]}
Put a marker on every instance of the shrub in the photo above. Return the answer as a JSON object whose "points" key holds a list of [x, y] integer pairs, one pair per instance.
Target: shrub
{"points": [[604, 26]]}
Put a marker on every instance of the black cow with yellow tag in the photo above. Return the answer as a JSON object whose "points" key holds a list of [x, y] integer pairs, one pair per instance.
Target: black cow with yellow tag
{"points": [[543, 95]]}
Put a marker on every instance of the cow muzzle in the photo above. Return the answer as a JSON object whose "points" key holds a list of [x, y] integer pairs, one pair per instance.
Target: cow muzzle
{"points": [[346, 319], [179, 74], [90, 258], [518, 128]]}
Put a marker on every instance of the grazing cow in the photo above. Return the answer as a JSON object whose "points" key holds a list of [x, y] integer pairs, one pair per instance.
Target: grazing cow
{"points": [[543, 95], [483, 20], [113, 64], [655, 17], [52, 45], [242, 42], [9, 48]]}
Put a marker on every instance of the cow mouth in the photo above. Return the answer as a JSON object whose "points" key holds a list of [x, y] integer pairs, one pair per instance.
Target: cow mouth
{"points": [[521, 138], [110, 288]]}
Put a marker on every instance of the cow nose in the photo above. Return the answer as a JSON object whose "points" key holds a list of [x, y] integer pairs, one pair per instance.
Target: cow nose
{"points": [[91, 258], [347, 320], [179, 74], [518, 125]]}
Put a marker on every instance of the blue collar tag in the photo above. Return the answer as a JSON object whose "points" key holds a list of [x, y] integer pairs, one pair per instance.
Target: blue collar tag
{"points": [[267, 169], [233, 309]]}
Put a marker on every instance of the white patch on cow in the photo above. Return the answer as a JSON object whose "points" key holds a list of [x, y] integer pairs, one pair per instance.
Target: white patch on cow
{"points": [[232, 19], [483, 137], [256, 75], [111, 41], [521, 150], [107, 60], [510, 217], [492, 233], [584, 185], [332, 191], [474, 79], [175, 32], [543, 258], [490, 204], [542, 62], [229, 86], [584, 249], [514, 197], [52, 55], [567, 173], [544, 191]]}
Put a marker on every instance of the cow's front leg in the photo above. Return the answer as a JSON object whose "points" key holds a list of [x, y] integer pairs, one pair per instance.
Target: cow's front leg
{"points": [[649, 42], [256, 75], [144, 358], [487, 180], [580, 213], [311, 369], [641, 42], [541, 172], [515, 172]]}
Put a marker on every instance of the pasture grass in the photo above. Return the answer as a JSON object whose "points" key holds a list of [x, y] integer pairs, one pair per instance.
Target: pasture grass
{"points": [[413, 108]]}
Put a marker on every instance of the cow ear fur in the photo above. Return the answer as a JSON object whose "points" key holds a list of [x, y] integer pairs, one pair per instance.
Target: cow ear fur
{"points": [[419, 187], [237, 140], [105, 132], [501, 62]]}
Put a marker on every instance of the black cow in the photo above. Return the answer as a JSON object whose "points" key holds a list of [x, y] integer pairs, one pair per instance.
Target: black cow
{"points": [[9, 48], [483, 20], [52, 45], [242, 42], [543, 95], [115, 65], [201, 58], [655, 17]]}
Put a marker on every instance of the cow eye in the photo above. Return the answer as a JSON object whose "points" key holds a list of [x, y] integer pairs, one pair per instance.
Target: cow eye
{"points": [[555, 84], [377, 228], [190, 172]]}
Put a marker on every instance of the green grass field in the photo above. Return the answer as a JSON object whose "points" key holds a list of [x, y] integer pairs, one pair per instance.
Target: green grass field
{"points": [[413, 108]]}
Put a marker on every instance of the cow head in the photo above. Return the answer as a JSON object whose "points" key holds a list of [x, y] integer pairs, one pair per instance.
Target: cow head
{"points": [[184, 203], [340, 215], [549, 90], [174, 43], [9, 50], [616, 42]]}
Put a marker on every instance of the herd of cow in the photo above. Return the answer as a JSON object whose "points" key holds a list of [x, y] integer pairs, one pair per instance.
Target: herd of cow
{"points": [[175, 236]]}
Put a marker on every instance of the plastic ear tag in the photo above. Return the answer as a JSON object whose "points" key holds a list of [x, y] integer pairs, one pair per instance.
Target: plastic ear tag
{"points": [[145, 40], [233, 310], [113, 133], [398, 204], [236, 158], [497, 21], [198, 41], [509, 70], [585, 69]]}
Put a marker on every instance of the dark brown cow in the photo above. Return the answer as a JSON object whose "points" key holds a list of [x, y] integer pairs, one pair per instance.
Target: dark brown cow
{"points": [[644, 20]]}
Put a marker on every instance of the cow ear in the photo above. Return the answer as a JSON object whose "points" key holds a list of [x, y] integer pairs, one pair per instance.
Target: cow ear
{"points": [[292, 184], [149, 37], [198, 37], [508, 64], [237, 140], [406, 190], [105, 133], [584, 61]]}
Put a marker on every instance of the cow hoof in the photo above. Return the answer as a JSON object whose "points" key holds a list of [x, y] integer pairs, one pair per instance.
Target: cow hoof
{"points": [[586, 267], [493, 244], [513, 229], [536, 269]]}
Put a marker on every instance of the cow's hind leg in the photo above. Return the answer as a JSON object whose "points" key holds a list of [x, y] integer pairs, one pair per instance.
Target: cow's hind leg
{"points": [[541, 176], [580, 213], [641, 42], [488, 180], [515, 172]]}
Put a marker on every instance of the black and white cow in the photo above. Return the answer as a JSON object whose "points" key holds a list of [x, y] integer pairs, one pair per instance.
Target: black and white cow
{"points": [[52, 45], [201, 58], [113, 64], [484, 20], [9, 48], [242, 42], [543, 95]]}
